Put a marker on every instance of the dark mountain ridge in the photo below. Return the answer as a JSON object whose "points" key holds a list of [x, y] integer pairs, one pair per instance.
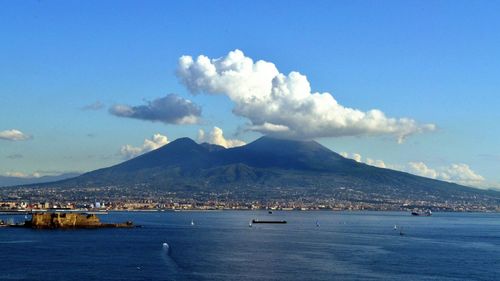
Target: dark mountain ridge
{"points": [[267, 165]]}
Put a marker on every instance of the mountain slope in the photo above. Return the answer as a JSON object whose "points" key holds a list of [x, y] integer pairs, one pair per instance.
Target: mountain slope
{"points": [[10, 181], [286, 167]]}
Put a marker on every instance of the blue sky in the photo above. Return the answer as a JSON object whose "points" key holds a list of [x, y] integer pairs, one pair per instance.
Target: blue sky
{"points": [[435, 62]]}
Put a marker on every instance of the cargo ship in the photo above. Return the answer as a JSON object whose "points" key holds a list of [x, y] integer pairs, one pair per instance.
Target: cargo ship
{"points": [[268, 221]]}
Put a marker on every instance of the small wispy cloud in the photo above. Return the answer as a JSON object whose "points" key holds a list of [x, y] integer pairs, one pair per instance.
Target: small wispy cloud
{"points": [[97, 105], [37, 174], [22, 175], [14, 135], [171, 109], [490, 157], [15, 156]]}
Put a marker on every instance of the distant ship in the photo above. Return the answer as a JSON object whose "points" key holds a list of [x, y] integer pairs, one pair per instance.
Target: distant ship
{"points": [[427, 213], [401, 233], [268, 221]]}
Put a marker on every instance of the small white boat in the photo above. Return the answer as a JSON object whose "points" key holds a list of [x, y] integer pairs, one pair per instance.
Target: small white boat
{"points": [[192, 222], [426, 213]]}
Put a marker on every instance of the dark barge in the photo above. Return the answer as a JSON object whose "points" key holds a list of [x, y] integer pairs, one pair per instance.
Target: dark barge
{"points": [[268, 221]]}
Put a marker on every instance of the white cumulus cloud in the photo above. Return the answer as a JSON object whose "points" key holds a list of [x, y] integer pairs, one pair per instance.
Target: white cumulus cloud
{"points": [[216, 136], [369, 161], [357, 157], [13, 135], [463, 173], [458, 173], [421, 169], [284, 105], [376, 163], [157, 140]]}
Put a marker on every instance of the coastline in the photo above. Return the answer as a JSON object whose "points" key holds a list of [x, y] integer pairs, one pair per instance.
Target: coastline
{"points": [[105, 212]]}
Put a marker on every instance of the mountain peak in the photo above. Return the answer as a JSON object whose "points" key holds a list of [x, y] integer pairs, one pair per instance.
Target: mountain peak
{"points": [[183, 141], [270, 152], [273, 144], [182, 146]]}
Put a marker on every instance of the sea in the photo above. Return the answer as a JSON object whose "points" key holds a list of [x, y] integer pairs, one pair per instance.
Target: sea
{"points": [[222, 245]]}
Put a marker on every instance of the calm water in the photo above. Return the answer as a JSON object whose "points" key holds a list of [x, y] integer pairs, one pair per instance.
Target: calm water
{"points": [[222, 246]]}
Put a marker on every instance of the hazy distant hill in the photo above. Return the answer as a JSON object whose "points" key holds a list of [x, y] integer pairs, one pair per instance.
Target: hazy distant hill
{"points": [[10, 181], [267, 164]]}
